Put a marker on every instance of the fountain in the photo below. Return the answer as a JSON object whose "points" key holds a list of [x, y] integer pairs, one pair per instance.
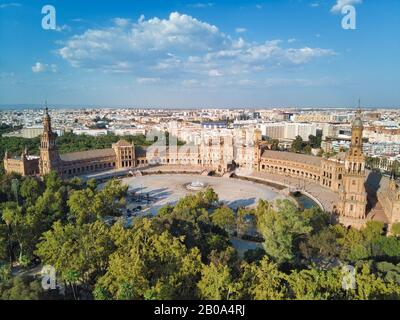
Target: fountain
{"points": [[196, 186]]}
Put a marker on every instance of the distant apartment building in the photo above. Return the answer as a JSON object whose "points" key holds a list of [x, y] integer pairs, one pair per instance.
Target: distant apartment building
{"points": [[288, 130], [30, 133], [323, 117], [128, 131], [382, 149], [91, 132], [214, 125], [334, 146], [383, 132], [104, 132], [272, 130]]}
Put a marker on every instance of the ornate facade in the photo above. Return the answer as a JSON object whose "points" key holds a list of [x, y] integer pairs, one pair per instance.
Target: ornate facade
{"points": [[353, 196], [344, 174], [121, 155], [25, 165]]}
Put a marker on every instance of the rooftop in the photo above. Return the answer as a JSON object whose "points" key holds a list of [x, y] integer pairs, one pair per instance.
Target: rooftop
{"points": [[122, 143], [290, 156], [85, 155]]}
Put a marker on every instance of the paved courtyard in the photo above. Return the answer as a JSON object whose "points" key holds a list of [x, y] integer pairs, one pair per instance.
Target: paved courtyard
{"points": [[169, 188], [326, 197]]}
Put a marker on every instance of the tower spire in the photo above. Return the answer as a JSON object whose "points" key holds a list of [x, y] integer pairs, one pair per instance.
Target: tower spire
{"points": [[359, 107]]}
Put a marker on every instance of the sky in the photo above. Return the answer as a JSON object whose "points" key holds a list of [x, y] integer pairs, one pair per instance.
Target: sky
{"points": [[216, 53]]}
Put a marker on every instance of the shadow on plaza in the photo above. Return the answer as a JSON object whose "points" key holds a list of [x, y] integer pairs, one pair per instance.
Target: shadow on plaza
{"points": [[156, 194], [241, 203]]}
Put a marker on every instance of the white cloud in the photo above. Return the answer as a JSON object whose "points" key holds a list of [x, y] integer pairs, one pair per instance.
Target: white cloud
{"points": [[314, 5], [177, 47], [8, 5], [214, 73], [121, 22], [240, 30], [147, 80], [201, 5], [39, 67], [341, 3]]}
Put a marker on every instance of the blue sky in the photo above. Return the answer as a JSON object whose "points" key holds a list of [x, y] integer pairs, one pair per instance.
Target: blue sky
{"points": [[200, 53]]}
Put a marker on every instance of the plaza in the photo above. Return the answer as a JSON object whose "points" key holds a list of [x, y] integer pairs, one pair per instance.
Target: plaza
{"points": [[164, 189]]}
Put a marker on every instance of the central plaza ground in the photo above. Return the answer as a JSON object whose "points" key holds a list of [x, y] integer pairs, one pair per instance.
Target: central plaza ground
{"points": [[169, 188]]}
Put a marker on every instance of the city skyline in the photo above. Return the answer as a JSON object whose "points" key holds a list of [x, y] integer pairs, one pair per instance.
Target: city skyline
{"points": [[192, 54]]}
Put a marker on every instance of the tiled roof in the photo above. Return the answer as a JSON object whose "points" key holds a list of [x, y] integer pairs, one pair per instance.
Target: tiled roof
{"points": [[86, 155], [340, 157], [290, 156], [123, 143]]}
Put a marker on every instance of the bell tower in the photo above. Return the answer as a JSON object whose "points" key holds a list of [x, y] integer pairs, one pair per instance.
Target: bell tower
{"points": [[257, 149], [49, 157], [353, 196]]}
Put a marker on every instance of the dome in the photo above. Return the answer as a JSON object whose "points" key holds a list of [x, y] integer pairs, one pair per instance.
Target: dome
{"points": [[358, 123]]}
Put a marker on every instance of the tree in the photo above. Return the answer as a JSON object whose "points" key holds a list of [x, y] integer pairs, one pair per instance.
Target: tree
{"points": [[4, 253], [313, 284], [395, 230], [21, 288], [30, 190], [110, 199], [280, 228], [317, 218], [13, 218], [297, 144], [307, 149], [91, 184], [216, 283], [388, 271], [149, 265], [190, 219], [76, 183], [210, 197], [352, 245], [242, 225], [386, 246], [274, 144], [80, 203], [51, 205], [262, 281], [372, 230], [315, 141], [224, 218], [370, 287], [52, 181], [321, 247], [78, 253]]}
